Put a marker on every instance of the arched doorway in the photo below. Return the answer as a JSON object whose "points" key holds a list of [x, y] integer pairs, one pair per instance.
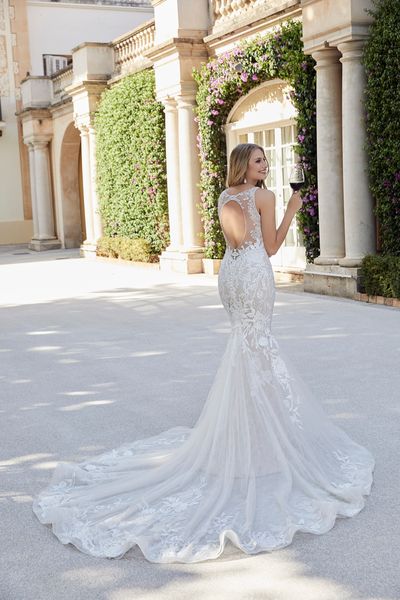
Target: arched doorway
{"points": [[73, 215], [267, 117]]}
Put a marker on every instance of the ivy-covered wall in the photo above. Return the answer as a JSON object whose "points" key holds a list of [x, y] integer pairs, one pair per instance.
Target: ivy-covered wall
{"points": [[222, 81], [131, 163], [382, 63]]}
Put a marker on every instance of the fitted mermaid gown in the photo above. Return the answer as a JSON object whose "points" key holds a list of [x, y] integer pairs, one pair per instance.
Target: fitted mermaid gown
{"points": [[262, 461]]}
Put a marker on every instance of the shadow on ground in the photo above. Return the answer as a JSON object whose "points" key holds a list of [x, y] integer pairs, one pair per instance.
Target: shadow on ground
{"points": [[83, 375]]}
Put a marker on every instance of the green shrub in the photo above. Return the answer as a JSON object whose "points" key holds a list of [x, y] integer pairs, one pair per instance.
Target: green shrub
{"points": [[380, 276], [125, 248], [382, 65], [131, 164]]}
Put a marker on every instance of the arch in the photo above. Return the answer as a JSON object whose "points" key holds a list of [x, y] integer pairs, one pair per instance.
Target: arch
{"points": [[71, 190]]}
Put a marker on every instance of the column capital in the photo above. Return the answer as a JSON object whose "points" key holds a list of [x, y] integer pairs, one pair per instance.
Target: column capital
{"points": [[186, 101], [37, 141], [326, 58], [351, 50], [169, 104]]}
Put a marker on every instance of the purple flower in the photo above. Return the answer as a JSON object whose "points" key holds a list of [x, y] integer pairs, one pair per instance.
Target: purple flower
{"points": [[386, 184], [215, 112], [209, 122], [220, 101], [304, 66], [244, 77], [301, 138], [254, 77]]}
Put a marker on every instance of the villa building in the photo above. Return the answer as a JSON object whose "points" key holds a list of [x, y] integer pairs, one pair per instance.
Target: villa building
{"points": [[47, 152]]}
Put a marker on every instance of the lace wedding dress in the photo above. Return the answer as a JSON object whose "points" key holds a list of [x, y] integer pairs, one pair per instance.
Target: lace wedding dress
{"points": [[262, 462]]}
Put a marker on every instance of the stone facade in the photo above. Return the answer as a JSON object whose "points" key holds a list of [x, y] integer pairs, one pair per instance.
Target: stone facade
{"points": [[182, 36]]}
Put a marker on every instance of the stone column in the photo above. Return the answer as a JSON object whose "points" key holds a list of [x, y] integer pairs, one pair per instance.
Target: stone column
{"points": [[358, 205], [87, 189], [329, 156], [189, 171], [173, 184], [42, 198], [97, 224], [33, 189]]}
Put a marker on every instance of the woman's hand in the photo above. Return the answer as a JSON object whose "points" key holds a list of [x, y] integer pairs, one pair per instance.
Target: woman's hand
{"points": [[295, 202]]}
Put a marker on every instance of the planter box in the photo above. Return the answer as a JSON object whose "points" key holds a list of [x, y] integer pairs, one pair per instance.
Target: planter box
{"points": [[211, 266], [395, 302]]}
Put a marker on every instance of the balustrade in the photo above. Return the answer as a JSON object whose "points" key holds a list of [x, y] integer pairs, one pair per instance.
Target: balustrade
{"points": [[129, 49]]}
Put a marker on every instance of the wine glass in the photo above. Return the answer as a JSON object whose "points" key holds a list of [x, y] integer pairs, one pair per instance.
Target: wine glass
{"points": [[296, 177]]}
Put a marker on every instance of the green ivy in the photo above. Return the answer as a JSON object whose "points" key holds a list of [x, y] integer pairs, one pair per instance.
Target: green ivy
{"points": [[221, 82], [382, 64], [131, 164]]}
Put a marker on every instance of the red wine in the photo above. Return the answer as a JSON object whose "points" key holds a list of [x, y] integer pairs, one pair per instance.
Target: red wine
{"points": [[296, 186]]}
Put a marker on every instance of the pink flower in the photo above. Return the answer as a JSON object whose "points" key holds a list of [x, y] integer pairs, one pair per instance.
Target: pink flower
{"points": [[215, 112], [254, 77], [209, 122], [244, 77]]}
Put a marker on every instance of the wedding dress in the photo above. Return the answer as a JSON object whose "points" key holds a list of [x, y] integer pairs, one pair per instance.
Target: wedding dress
{"points": [[262, 461]]}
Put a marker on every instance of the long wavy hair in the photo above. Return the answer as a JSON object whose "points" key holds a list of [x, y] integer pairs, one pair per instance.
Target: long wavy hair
{"points": [[239, 162]]}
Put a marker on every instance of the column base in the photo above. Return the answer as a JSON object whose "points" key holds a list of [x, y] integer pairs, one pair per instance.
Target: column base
{"points": [[350, 262], [327, 260], [332, 280], [47, 244], [88, 249], [181, 261]]}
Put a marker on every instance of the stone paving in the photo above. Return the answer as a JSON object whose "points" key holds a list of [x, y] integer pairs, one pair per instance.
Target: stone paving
{"points": [[97, 353]]}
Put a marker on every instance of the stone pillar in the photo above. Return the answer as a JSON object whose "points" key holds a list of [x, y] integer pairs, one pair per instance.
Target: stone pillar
{"points": [[42, 199], [33, 189], [329, 157], [358, 205], [173, 184], [185, 252], [88, 244], [189, 170], [97, 224]]}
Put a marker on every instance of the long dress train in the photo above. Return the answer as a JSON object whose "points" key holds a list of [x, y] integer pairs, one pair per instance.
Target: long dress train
{"points": [[262, 462]]}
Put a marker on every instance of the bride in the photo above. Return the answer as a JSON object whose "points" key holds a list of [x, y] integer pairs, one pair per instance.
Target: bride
{"points": [[263, 460]]}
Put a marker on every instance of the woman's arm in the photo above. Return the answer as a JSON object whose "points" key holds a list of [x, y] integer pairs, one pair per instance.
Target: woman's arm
{"points": [[273, 237]]}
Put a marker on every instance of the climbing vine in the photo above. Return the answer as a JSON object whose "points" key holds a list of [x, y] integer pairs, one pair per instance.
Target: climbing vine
{"points": [[382, 64], [131, 164], [221, 82]]}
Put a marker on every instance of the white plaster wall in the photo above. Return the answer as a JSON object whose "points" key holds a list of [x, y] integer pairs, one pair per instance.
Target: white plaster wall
{"points": [[56, 27], [11, 208]]}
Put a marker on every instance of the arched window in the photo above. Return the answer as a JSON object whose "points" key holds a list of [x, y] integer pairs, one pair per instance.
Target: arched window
{"points": [[266, 117]]}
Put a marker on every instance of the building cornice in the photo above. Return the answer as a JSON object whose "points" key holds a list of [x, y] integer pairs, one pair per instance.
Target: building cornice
{"points": [[182, 46]]}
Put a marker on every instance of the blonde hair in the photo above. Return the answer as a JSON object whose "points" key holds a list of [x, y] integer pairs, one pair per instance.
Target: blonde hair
{"points": [[239, 162]]}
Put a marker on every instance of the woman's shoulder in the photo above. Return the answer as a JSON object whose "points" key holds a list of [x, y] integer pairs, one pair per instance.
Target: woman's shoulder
{"points": [[264, 194], [264, 197]]}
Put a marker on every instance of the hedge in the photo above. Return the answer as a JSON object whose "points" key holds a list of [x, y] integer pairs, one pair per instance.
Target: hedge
{"points": [[131, 164], [380, 276]]}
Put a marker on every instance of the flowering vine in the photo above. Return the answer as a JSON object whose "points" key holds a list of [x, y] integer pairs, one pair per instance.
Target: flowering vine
{"points": [[221, 82], [382, 102]]}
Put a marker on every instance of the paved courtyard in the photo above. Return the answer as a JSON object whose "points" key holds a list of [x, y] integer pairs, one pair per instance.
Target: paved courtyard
{"points": [[94, 354]]}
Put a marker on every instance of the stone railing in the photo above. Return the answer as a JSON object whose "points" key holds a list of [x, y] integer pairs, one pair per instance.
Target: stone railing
{"points": [[61, 80], [129, 49], [230, 12]]}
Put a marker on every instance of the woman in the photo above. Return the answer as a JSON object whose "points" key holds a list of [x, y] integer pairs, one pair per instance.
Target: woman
{"points": [[262, 462]]}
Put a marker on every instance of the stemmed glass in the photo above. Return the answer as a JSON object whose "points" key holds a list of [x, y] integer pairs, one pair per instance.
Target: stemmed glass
{"points": [[296, 177]]}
